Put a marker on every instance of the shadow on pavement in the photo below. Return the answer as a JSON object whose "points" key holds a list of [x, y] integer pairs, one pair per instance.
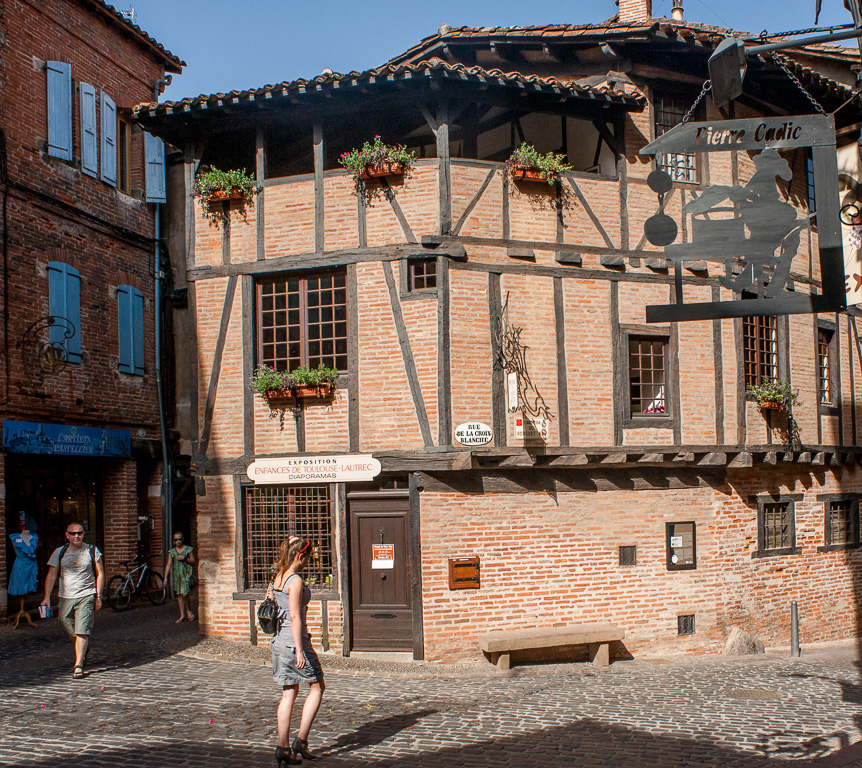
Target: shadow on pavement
{"points": [[582, 743], [140, 635]]}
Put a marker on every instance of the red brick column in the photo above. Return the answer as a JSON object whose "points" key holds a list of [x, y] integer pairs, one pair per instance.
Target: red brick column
{"points": [[120, 505], [154, 536]]}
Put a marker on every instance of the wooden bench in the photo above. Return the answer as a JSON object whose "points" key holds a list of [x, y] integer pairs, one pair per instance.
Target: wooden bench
{"points": [[499, 645]]}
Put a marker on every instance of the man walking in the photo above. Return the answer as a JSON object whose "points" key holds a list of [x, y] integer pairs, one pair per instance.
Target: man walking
{"points": [[82, 582]]}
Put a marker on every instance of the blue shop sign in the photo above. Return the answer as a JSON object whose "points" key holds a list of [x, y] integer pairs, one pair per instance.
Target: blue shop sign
{"points": [[64, 440]]}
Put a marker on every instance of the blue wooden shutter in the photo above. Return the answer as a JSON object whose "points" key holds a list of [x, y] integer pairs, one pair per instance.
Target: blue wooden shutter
{"points": [[64, 301], [130, 329], [109, 140], [155, 163], [89, 132], [60, 110], [138, 330]]}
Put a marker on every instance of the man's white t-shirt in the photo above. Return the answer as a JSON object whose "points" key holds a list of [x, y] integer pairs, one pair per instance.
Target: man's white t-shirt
{"points": [[77, 575]]}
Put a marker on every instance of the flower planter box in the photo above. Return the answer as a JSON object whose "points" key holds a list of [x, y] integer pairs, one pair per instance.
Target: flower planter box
{"points": [[222, 194], [382, 170], [313, 390], [522, 173], [316, 391], [770, 405]]}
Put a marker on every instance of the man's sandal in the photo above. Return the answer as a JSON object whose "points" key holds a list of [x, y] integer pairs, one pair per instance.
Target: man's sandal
{"points": [[78, 673]]}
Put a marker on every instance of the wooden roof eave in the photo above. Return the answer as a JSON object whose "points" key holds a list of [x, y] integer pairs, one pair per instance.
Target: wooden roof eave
{"points": [[559, 93]]}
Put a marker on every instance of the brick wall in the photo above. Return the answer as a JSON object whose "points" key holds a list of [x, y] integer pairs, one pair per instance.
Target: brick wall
{"points": [[57, 213]]}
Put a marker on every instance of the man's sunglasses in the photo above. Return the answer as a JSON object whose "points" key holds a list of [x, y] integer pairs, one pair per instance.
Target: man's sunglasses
{"points": [[74, 533]]}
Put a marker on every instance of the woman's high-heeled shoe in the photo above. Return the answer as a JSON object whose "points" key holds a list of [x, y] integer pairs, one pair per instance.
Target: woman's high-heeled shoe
{"points": [[300, 747], [285, 757]]}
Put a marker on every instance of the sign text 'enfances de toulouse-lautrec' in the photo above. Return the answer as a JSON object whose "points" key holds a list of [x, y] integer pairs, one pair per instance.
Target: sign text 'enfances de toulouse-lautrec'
{"points": [[291, 470]]}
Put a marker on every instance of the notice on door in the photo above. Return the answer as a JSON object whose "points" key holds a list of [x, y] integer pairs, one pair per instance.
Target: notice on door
{"points": [[382, 556]]}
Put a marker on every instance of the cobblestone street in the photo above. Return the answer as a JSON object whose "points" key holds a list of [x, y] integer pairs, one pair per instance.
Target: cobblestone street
{"points": [[152, 699]]}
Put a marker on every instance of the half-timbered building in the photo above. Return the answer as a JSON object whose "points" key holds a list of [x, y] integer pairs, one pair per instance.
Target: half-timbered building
{"points": [[547, 456]]}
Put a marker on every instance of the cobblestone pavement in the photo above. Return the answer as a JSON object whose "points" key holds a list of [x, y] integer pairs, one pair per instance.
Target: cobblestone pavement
{"points": [[152, 699]]}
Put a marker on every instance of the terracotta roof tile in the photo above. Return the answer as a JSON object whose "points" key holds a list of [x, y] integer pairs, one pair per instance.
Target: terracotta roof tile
{"points": [[395, 72]]}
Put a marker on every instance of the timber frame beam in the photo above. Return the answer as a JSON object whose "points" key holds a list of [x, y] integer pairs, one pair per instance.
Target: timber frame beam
{"points": [[715, 457]]}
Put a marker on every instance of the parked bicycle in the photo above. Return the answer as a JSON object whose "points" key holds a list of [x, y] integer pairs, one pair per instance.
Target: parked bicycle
{"points": [[140, 579]]}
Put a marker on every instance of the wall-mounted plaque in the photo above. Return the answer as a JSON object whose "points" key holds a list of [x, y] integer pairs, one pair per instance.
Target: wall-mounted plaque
{"points": [[473, 433], [681, 546], [291, 470]]}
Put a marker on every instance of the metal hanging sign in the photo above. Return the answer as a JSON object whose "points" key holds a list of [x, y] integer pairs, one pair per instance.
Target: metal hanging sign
{"points": [[750, 228]]}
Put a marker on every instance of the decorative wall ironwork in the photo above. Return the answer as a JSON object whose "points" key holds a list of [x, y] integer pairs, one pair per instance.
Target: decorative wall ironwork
{"points": [[748, 227], [38, 352], [512, 358]]}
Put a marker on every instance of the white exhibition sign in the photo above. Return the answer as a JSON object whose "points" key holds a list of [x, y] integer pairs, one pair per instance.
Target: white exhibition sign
{"points": [[473, 433], [311, 469]]}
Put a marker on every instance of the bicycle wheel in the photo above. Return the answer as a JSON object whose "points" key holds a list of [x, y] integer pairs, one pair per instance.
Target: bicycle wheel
{"points": [[119, 593], [155, 588]]}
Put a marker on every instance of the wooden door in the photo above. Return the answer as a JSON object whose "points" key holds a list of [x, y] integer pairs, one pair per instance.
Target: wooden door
{"points": [[381, 601]]}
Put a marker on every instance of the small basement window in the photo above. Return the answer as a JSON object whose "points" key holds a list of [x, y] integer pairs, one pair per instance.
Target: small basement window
{"points": [[628, 555], [685, 624]]}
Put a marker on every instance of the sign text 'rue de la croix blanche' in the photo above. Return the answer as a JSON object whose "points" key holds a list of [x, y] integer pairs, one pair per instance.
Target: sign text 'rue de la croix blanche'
{"points": [[308, 469]]}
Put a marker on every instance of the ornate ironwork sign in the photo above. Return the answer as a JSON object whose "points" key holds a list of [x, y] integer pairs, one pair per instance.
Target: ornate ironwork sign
{"points": [[748, 227], [38, 347]]}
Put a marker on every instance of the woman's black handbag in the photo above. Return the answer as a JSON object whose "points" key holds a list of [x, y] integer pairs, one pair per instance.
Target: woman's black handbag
{"points": [[267, 616]]}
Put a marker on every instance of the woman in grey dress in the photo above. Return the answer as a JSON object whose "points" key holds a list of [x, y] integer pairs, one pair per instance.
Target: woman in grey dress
{"points": [[293, 659]]}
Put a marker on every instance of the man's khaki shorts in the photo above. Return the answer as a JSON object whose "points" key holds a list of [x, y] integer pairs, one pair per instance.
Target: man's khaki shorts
{"points": [[77, 614]]}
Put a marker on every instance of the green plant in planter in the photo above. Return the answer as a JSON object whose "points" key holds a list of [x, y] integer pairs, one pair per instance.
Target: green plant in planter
{"points": [[305, 376], [375, 155], [214, 180], [210, 182], [549, 164], [775, 390], [267, 379]]}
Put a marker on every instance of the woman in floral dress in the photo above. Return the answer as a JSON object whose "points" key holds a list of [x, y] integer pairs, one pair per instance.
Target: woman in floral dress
{"points": [[180, 562]]}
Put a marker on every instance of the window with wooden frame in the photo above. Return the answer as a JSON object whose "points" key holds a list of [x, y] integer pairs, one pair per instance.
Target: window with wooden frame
{"points": [[759, 349], [302, 320], [421, 274], [681, 546], [841, 521], [669, 111], [274, 513], [647, 375], [124, 154], [776, 526], [826, 388]]}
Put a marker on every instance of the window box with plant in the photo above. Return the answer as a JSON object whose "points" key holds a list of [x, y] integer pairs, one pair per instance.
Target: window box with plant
{"points": [[377, 160], [273, 385], [774, 394], [214, 185], [528, 164]]}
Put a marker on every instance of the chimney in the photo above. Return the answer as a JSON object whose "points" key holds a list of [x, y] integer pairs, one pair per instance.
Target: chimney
{"points": [[634, 11], [676, 12]]}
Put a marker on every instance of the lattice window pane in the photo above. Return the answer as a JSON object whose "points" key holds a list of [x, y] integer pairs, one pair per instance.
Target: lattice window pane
{"points": [[824, 364], [303, 321], [759, 349], [669, 113], [421, 273], [776, 531], [629, 554], [842, 524], [647, 375], [272, 515]]}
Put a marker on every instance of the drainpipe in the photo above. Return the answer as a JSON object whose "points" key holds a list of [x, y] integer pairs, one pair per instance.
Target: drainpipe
{"points": [[167, 468], [167, 496]]}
